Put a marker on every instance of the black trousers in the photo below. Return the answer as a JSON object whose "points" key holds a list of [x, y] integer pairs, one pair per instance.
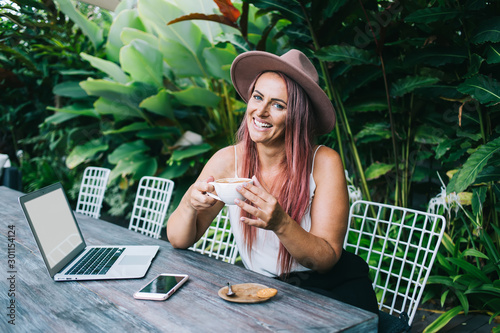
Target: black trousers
{"points": [[347, 281]]}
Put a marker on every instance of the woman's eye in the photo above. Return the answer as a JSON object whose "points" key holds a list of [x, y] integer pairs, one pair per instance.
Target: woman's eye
{"points": [[257, 97], [278, 106]]}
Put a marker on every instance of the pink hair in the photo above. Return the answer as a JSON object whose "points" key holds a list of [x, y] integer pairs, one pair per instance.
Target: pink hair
{"points": [[291, 188]]}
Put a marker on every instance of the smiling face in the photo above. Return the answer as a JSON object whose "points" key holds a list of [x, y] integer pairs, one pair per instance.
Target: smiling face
{"points": [[267, 109]]}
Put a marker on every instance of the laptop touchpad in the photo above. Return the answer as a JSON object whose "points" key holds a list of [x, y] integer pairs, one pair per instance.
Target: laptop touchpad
{"points": [[134, 260]]}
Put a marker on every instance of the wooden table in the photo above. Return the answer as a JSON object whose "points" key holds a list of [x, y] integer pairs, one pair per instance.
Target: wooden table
{"points": [[42, 305]]}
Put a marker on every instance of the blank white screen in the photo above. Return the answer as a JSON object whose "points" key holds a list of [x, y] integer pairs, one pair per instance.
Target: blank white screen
{"points": [[55, 227]]}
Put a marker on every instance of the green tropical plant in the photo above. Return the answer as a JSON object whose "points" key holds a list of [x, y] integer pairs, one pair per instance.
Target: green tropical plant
{"points": [[155, 87], [419, 78], [39, 49], [414, 85], [469, 281]]}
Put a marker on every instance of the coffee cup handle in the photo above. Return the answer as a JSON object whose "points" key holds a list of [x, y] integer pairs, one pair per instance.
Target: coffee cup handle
{"points": [[213, 196]]}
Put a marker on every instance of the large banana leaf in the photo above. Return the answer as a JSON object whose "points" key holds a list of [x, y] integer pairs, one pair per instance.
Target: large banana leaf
{"points": [[175, 170], [428, 134], [118, 110], [80, 154], [76, 109], [489, 173], [239, 43], [70, 89], [348, 54], [127, 150], [190, 151], [493, 54], [160, 104], [488, 31], [181, 60], [197, 96], [410, 83], [136, 126], [139, 166], [125, 19], [143, 62], [373, 132], [377, 170], [157, 14], [132, 93], [130, 159], [89, 28], [59, 118], [219, 61], [483, 88], [110, 68], [129, 34], [473, 166]]}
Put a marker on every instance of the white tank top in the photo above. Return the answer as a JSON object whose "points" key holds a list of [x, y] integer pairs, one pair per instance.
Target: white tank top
{"points": [[265, 248]]}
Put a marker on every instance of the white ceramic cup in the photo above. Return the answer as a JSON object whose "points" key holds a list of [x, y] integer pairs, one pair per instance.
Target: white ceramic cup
{"points": [[226, 189]]}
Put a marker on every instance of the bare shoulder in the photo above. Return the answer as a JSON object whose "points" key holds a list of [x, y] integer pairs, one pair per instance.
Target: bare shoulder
{"points": [[326, 159], [220, 165], [328, 167]]}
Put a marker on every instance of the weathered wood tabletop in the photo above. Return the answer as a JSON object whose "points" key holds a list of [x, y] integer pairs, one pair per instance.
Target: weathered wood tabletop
{"points": [[32, 302]]}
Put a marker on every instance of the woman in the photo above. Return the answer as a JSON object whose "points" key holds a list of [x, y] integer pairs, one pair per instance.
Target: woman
{"points": [[293, 221]]}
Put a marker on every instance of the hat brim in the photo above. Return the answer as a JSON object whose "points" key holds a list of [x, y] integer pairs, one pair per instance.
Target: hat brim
{"points": [[248, 65]]}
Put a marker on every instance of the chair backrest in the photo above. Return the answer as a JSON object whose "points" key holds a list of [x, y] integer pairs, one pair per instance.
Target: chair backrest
{"points": [[150, 206], [400, 246], [91, 195], [218, 241]]}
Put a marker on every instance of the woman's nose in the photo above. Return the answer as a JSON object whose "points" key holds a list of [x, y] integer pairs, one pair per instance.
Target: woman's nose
{"points": [[262, 110]]}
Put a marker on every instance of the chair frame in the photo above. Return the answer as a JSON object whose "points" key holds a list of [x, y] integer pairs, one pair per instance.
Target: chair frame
{"points": [[420, 235], [92, 189], [218, 241], [150, 205]]}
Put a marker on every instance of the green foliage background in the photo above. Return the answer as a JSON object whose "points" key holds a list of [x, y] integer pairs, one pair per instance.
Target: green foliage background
{"points": [[415, 86]]}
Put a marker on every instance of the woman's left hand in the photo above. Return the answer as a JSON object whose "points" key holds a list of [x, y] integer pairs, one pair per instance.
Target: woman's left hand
{"points": [[266, 210]]}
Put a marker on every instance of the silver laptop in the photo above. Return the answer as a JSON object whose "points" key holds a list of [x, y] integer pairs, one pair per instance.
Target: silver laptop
{"points": [[63, 248]]}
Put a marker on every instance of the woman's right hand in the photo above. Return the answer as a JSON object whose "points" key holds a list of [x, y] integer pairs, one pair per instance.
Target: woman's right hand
{"points": [[199, 199]]}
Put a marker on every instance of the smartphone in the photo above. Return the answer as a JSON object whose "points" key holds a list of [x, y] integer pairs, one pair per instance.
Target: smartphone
{"points": [[161, 287]]}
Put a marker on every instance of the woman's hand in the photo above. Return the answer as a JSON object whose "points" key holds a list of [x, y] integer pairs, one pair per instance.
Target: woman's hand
{"points": [[266, 210], [198, 196]]}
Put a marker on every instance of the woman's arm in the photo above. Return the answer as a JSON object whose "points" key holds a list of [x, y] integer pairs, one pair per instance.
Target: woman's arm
{"points": [[197, 210], [319, 249]]}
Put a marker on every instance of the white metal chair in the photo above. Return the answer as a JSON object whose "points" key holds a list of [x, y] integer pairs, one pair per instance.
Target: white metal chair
{"points": [[400, 246], [92, 189], [150, 206], [218, 241]]}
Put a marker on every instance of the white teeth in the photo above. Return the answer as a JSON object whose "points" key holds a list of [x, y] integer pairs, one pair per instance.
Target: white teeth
{"points": [[258, 123]]}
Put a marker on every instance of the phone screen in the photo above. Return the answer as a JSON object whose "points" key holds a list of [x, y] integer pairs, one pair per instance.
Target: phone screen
{"points": [[162, 284]]}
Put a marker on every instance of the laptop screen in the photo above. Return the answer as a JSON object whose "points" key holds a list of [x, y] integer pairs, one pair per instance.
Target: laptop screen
{"points": [[53, 225]]}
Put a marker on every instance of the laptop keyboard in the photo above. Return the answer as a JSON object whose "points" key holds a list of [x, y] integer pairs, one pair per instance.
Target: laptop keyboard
{"points": [[97, 261]]}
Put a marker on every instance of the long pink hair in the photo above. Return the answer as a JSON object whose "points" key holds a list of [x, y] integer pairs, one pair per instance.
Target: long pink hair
{"points": [[291, 188]]}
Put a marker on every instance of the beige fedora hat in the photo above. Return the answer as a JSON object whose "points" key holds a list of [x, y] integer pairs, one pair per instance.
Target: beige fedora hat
{"points": [[293, 64]]}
